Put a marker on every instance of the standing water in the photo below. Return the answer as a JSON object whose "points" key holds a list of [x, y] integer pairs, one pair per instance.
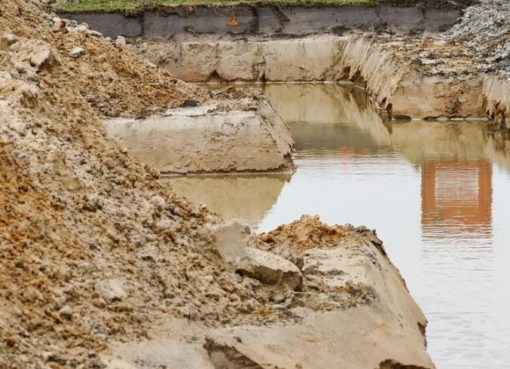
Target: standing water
{"points": [[438, 195]]}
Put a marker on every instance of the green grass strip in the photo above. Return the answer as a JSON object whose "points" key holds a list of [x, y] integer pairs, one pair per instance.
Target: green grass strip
{"points": [[114, 5]]}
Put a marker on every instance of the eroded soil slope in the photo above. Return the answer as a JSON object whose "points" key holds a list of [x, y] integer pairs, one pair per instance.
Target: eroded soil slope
{"points": [[95, 251], [75, 211], [112, 81]]}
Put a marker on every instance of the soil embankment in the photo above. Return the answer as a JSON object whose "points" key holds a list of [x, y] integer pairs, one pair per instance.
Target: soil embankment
{"points": [[96, 253], [177, 21], [420, 72], [407, 76], [245, 136], [362, 310]]}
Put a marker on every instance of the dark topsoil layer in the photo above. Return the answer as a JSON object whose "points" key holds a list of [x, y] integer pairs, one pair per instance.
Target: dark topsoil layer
{"points": [[193, 7]]}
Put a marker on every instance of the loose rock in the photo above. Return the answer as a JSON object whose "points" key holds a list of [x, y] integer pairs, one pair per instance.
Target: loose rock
{"points": [[66, 312], [111, 290], [270, 269], [76, 52], [231, 240]]}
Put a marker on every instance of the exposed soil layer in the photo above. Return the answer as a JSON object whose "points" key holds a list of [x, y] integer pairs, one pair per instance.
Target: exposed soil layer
{"points": [[94, 250], [236, 43], [347, 287], [88, 235], [282, 20], [134, 7], [245, 136], [420, 77]]}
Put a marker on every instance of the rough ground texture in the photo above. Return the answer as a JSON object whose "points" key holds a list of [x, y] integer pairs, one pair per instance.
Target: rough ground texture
{"points": [[78, 217], [248, 136], [351, 310], [485, 29], [94, 250], [460, 73], [417, 76], [110, 80]]}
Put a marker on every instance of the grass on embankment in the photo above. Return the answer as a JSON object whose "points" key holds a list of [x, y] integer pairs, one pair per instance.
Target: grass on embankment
{"points": [[112, 5]]}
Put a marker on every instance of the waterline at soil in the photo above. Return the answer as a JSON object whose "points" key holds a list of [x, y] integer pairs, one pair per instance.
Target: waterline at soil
{"points": [[437, 193]]}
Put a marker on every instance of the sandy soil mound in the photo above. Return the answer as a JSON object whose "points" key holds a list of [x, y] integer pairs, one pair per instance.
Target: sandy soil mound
{"points": [[94, 250], [306, 233], [347, 307], [87, 235], [112, 81]]}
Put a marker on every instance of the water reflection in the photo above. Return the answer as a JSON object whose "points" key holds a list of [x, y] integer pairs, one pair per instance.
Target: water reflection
{"points": [[324, 105], [247, 197], [438, 194], [456, 199]]}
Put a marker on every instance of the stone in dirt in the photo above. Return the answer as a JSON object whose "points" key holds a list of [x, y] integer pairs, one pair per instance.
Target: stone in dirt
{"points": [[120, 41], [270, 269], [66, 312], [231, 240], [7, 40], [76, 52], [111, 290]]}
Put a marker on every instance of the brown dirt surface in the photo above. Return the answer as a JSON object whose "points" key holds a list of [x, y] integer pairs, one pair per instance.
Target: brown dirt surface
{"points": [[93, 249], [76, 213], [115, 82], [306, 233], [304, 237]]}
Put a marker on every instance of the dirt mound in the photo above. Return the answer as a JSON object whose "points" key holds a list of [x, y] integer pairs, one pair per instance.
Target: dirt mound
{"points": [[92, 247], [113, 81], [306, 233]]}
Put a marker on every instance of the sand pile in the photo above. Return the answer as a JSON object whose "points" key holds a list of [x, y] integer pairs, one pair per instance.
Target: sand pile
{"points": [[92, 247], [94, 250], [112, 81], [306, 233]]}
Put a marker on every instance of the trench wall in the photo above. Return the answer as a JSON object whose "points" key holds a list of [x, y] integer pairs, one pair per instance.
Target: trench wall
{"points": [[497, 99], [281, 44], [243, 19], [207, 140], [392, 81]]}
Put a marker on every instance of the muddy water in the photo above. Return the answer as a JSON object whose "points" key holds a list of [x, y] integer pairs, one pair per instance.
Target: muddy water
{"points": [[437, 193]]}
